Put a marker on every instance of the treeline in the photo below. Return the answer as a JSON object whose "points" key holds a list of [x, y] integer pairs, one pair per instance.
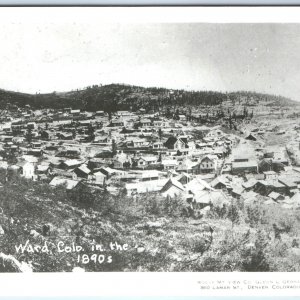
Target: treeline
{"points": [[126, 97], [248, 96]]}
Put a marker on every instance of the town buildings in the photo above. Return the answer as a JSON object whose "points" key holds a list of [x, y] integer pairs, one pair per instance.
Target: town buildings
{"points": [[145, 153]]}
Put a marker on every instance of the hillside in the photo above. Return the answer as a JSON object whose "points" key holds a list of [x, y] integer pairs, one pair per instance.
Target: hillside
{"points": [[159, 238], [125, 97]]}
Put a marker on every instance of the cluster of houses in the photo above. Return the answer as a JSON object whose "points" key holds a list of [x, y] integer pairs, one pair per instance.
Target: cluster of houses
{"points": [[140, 153]]}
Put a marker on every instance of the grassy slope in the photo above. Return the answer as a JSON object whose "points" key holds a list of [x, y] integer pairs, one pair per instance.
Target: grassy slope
{"points": [[158, 239]]}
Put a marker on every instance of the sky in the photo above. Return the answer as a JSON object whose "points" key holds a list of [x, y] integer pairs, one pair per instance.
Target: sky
{"points": [[47, 56]]}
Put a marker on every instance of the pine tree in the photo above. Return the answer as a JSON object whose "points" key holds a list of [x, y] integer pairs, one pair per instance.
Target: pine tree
{"points": [[29, 135], [168, 112], [234, 116], [234, 214], [74, 133], [91, 132], [114, 147], [245, 112], [160, 133]]}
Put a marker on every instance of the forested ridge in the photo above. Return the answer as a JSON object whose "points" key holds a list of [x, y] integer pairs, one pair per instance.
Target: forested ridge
{"points": [[126, 97]]}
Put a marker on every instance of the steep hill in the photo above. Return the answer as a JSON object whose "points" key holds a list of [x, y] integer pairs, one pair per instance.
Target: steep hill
{"points": [[123, 97]]}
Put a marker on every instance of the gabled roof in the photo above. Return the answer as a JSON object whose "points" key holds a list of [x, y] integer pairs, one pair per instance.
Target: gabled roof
{"points": [[122, 158], [270, 173], [265, 182], [183, 175], [172, 182], [21, 163], [72, 162], [117, 121], [206, 157], [111, 171], [42, 168], [296, 198], [244, 164], [287, 182], [270, 202], [148, 158], [100, 138], [186, 165], [217, 198], [145, 121], [238, 190], [70, 184], [99, 173], [197, 185], [62, 173], [150, 173], [251, 137], [84, 169], [274, 195], [65, 134], [218, 180], [250, 183], [250, 196], [184, 139], [277, 184], [172, 140], [169, 162]]}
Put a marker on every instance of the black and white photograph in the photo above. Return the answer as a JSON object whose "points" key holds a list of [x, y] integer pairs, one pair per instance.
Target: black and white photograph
{"points": [[148, 146]]}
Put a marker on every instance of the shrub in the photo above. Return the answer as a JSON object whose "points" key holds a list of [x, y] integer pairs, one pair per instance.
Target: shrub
{"points": [[254, 259], [172, 207], [254, 215]]}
